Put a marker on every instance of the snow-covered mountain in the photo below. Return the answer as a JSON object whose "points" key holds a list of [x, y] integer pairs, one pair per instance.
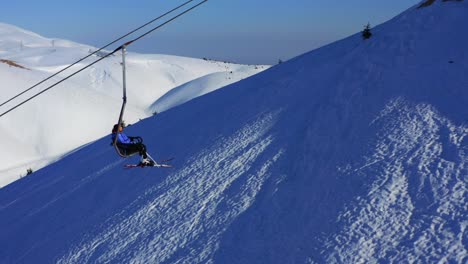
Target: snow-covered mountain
{"points": [[352, 153], [85, 107]]}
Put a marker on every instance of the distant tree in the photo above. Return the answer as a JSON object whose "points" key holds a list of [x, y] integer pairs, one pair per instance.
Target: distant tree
{"points": [[29, 171], [280, 61], [366, 33]]}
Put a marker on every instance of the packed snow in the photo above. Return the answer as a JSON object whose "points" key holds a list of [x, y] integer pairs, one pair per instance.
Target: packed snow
{"points": [[85, 107], [352, 153]]}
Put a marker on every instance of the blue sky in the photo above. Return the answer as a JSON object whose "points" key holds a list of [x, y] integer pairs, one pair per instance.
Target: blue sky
{"points": [[243, 31]]}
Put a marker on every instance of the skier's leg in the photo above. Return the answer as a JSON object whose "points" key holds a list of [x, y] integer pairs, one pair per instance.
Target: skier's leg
{"points": [[142, 150]]}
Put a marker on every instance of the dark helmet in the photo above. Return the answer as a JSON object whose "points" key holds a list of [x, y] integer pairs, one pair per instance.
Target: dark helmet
{"points": [[115, 128]]}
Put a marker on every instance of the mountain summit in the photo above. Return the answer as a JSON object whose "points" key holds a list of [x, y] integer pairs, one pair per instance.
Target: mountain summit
{"points": [[352, 153]]}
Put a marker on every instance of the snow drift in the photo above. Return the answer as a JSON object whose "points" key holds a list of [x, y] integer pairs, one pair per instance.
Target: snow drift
{"points": [[355, 152], [85, 107]]}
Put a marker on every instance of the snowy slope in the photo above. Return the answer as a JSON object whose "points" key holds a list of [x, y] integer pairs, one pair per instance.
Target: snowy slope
{"points": [[201, 86], [85, 107], [352, 153]]}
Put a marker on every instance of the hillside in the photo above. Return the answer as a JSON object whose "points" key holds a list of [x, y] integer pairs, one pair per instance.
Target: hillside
{"points": [[352, 153], [85, 107]]}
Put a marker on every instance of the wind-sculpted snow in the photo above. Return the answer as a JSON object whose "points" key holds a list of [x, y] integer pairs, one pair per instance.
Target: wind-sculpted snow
{"points": [[182, 219], [415, 209]]}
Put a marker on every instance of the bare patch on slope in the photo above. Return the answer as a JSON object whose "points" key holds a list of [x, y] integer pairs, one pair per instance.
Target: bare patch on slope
{"points": [[427, 3], [430, 2], [13, 64]]}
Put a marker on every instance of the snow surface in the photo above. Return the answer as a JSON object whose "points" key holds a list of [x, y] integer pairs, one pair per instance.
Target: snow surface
{"points": [[85, 107], [352, 153]]}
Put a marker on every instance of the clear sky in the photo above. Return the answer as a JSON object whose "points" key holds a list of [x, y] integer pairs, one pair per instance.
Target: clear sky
{"points": [[243, 31]]}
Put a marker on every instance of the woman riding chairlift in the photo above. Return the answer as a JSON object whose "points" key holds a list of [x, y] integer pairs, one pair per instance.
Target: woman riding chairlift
{"points": [[129, 146]]}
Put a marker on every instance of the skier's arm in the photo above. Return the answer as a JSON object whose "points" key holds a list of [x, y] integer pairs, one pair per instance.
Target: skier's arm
{"points": [[136, 139], [124, 139]]}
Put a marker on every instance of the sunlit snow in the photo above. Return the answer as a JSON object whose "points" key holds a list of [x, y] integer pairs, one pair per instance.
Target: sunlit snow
{"points": [[352, 153]]}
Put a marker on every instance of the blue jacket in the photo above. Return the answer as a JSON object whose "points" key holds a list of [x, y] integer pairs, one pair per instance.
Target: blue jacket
{"points": [[122, 139]]}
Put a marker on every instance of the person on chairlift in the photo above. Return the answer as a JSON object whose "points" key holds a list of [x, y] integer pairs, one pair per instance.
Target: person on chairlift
{"points": [[130, 145]]}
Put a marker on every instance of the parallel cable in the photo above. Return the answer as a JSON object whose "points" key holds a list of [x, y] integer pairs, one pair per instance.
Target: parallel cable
{"points": [[53, 85], [100, 59], [95, 52], [163, 24]]}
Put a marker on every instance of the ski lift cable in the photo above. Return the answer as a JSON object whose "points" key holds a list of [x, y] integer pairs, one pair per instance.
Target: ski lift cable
{"points": [[163, 24], [100, 59], [95, 52]]}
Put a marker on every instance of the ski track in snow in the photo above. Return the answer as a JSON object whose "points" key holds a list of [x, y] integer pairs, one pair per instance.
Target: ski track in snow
{"points": [[397, 221], [182, 219], [85, 180]]}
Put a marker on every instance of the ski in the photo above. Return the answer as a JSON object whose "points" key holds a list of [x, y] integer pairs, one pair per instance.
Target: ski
{"points": [[164, 160], [162, 165], [157, 164]]}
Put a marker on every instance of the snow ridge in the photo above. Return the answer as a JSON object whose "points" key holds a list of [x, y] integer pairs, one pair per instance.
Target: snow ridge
{"points": [[394, 222]]}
